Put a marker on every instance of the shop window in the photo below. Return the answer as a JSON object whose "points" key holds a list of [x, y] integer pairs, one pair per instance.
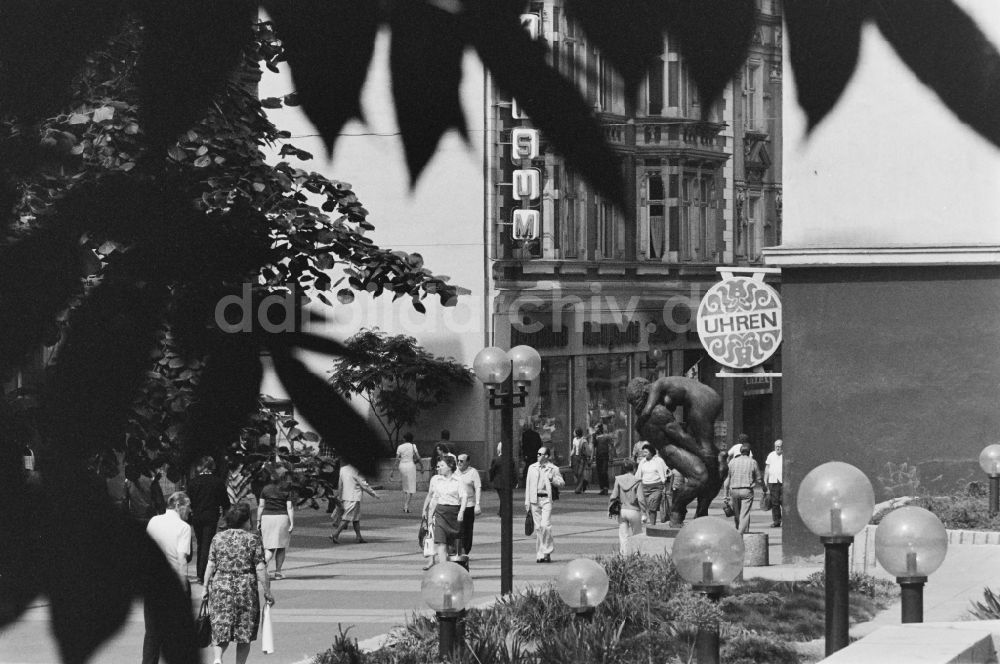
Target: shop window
{"points": [[607, 380], [551, 414]]}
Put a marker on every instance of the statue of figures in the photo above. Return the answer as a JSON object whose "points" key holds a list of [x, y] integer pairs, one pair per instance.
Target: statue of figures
{"points": [[690, 448]]}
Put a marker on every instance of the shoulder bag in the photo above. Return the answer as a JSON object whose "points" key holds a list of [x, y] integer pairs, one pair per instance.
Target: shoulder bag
{"points": [[529, 524]]}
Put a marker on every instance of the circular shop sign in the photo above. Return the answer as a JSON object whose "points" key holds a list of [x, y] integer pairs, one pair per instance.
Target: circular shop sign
{"points": [[739, 322]]}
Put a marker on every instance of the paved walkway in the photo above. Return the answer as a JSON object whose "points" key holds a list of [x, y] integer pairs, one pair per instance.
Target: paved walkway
{"points": [[375, 586]]}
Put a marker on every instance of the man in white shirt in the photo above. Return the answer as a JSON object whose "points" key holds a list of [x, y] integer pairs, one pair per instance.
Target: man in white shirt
{"points": [[579, 458], [172, 534], [652, 471], [541, 477], [773, 467], [473, 485]]}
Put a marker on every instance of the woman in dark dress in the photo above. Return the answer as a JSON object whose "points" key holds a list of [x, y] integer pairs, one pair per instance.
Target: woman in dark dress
{"points": [[208, 501], [235, 567]]}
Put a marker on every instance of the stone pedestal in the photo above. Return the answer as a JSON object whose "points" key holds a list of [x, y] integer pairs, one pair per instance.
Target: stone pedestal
{"points": [[756, 546]]}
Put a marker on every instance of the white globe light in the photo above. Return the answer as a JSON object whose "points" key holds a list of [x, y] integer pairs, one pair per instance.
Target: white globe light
{"points": [[989, 459], [835, 500], [527, 363], [582, 583], [709, 552], [446, 587], [492, 366], [911, 541]]}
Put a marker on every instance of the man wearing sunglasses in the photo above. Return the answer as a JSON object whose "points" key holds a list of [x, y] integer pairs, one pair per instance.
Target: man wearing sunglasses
{"points": [[541, 477]]}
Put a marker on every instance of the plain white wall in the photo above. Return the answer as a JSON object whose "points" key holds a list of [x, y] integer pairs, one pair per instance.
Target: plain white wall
{"points": [[891, 164]]}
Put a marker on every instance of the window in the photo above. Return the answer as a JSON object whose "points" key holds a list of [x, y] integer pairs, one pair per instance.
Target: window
{"points": [[607, 380], [567, 229], [605, 89], [673, 83], [751, 96], [654, 87], [607, 230], [655, 207], [551, 413], [569, 62], [697, 233]]}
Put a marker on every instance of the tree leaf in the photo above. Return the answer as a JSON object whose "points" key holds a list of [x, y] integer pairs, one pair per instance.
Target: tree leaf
{"points": [[331, 416], [627, 32], [224, 398], [948, 52], [327, 40], [426, 65], [554, 104], [34, 80], [189, 50], [823, 43], [110, 336], [52, 258], [714, 36]]}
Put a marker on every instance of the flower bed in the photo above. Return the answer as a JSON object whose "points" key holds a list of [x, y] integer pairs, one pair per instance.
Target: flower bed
{"points": [[650, 615]]}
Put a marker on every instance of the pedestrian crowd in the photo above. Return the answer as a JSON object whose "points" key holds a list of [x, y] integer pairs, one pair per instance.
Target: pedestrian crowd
{"points": [[233, 524]]}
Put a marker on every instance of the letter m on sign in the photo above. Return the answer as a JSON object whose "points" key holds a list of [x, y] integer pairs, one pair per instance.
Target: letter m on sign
{"points": [[525, 224]]}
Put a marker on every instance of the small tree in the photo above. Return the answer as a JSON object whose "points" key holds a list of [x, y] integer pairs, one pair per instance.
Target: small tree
{"points": [[398, 378]]}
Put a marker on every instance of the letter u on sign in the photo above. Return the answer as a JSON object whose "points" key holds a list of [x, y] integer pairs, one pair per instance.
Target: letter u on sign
{"points": [[527, 184]]}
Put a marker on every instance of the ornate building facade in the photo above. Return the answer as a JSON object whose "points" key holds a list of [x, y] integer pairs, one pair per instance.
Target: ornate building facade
{"points": [[606, 294]]}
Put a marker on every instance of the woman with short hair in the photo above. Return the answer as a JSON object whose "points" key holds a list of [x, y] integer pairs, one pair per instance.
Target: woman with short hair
{"points": [[276, 516], [444, 507], [655, 476], [208, 502], [236, 566]]}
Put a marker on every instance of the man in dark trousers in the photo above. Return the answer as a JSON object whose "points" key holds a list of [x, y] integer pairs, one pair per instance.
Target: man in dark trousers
{"points": [[531, 442], [603, 443]]}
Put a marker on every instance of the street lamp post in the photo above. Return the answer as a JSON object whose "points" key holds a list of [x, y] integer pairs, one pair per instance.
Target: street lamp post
{"points": [[583, 585], [911, 543], [836, 501], [511, 371], [447, 588], [708, 554], [989, 461]]}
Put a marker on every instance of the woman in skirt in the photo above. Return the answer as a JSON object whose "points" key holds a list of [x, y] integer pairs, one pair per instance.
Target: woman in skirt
{"points": [[408, 462], [655, 476], [276, 519], [444, 506]]}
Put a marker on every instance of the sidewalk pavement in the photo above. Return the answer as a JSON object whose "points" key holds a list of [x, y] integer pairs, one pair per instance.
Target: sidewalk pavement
{"points": [[371, 588]]}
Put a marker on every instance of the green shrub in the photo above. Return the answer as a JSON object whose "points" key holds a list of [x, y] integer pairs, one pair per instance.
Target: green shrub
{"points": [[749, 648], [649, 617]]}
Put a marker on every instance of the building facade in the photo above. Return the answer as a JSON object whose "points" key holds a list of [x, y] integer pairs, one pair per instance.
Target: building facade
{"points": [[606, 295]]}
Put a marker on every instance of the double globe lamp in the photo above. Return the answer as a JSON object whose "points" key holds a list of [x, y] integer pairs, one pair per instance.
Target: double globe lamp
{"points": [[507, 375]]}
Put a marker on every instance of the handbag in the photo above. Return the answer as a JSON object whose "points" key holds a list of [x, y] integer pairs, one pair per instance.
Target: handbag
{"points": [[422, 532], [266, 630], [765, 502], [727, 509], [529, 524], [203, 626], [615, 507], [555, 492], [428, 546]]}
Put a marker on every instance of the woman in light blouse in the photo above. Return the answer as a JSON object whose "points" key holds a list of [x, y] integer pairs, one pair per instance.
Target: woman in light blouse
{"points": [[444, 506], [654, 475]]}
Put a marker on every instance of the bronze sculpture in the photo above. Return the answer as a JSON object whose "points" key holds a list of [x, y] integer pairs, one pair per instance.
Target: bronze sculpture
{"points": [[688, 447]]}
